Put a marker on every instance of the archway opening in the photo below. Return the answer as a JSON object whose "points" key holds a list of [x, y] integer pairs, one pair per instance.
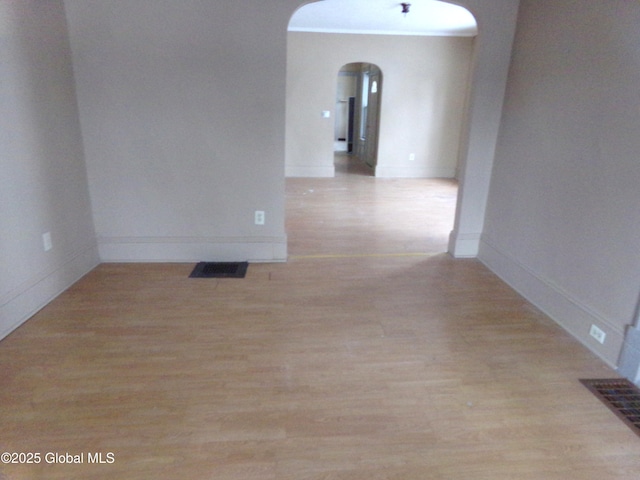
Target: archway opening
{"points": [[357, 118], [310, 153]]}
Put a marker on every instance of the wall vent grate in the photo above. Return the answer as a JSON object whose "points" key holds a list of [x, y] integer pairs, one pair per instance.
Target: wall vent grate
{"points": [[220, 270], [621, 396]]}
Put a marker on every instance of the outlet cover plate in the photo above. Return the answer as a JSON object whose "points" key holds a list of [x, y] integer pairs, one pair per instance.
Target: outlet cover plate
{"points": [[598, 334], [47, 243]]}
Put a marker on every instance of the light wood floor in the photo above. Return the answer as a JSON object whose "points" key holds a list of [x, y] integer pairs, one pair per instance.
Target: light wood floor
{"points": [[356, 213], [361, 358]]}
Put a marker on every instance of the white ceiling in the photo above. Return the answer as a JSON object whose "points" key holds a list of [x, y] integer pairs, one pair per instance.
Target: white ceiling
{"points": [[384, 17]]}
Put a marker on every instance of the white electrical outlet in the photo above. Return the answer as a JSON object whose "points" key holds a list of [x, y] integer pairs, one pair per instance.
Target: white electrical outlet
{"points": [[597, 333], [412, 157], [46, 241], [259, 217]]}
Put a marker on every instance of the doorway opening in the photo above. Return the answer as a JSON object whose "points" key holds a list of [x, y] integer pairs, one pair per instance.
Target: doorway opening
{"points": [[316, 148], [357, 118]]}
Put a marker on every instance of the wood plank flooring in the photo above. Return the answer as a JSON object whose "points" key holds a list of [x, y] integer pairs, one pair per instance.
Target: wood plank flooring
{"points": [[355, 213], [360, 365]]}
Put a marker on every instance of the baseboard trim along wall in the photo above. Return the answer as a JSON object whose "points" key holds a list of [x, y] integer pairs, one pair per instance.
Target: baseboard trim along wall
{"points": [[630, 357], [310, 171], [575, 317], [464, 245], [192, 249], [26, 300], [418, 171]]}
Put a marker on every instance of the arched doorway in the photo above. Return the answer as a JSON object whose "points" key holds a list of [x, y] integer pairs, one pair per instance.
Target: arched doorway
{"points": [[411, 141], [489, 68], [357, 114]]}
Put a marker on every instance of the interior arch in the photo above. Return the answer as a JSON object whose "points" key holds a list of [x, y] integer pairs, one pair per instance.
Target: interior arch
{"points": [[357, 10]]}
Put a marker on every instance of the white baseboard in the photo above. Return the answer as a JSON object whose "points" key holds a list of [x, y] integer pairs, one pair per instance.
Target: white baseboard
{"points": [[630, 358], [464, 245], [192, 249], [570, 313], [418, 171], [25, 301], [310, 171]]}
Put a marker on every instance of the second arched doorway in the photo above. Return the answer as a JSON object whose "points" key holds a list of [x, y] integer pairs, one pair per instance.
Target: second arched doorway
{"points": [[357, 119]]}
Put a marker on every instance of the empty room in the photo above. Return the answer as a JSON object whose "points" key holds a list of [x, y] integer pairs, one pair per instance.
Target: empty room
{"points": [[436, 303]]}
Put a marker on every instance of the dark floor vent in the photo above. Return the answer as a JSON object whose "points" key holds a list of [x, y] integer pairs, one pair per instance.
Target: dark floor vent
{"points": [[621, 396], [220, 270]]}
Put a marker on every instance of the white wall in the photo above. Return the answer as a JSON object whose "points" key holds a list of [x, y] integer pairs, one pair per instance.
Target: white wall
{"points": [[43, 183], [182, 106], [182, 109], [491, 58], [562, 223], [424, 86]]}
